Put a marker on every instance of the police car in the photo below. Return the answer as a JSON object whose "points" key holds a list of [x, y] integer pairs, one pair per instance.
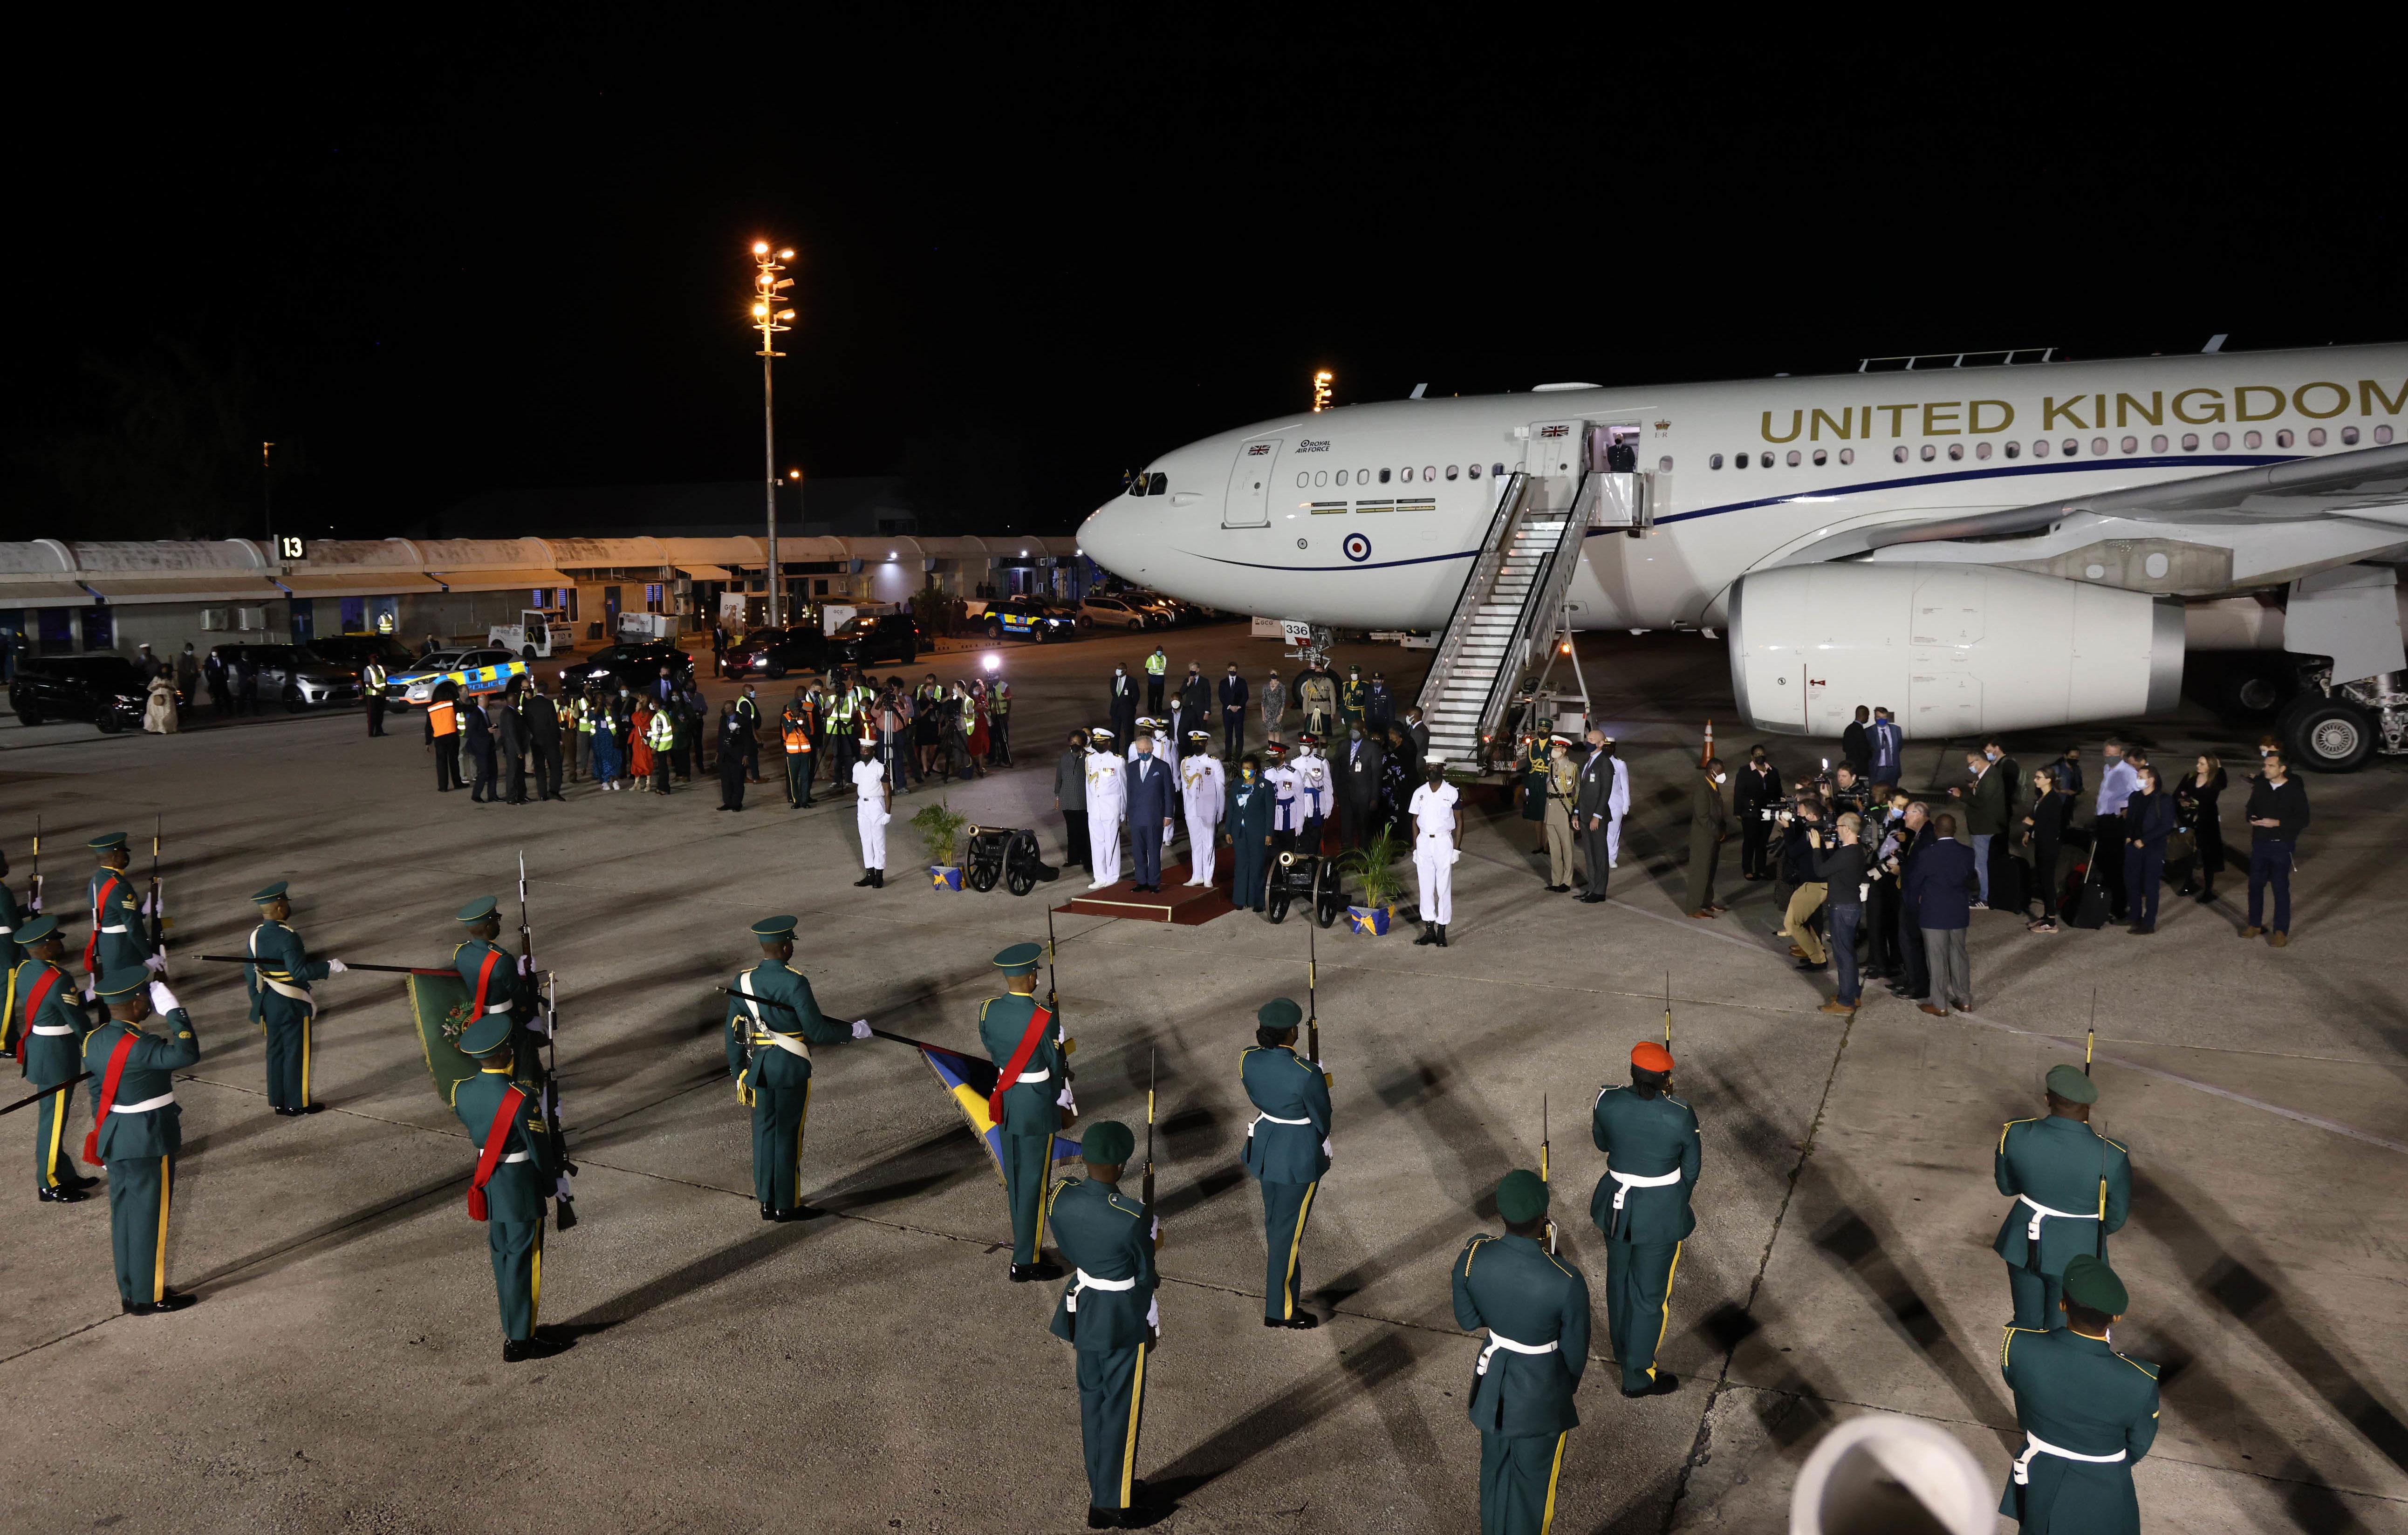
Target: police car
{"points": [[486, 670], [1028, 618]]}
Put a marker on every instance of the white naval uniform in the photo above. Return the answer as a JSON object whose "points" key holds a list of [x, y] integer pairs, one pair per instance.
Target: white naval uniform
{"points": [[1312, 792], [1205, 790], [1107, 803], [1434, 850], [1617, 799], [869, 811]]}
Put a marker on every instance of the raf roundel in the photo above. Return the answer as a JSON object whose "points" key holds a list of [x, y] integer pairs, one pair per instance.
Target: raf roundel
{"points": [[1357, 546]]}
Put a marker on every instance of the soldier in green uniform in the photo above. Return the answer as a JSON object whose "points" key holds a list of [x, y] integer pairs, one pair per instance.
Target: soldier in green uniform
{"points": [[281, 1001], [2088, 1412], [140, 1129], [1035, 1088], [1350, 696], [772, 1022], [121, 938], [514, 1175], [1535, 1307], [1641, 1205], [1287, 1150], [2072, 1186], [45, 1027], [12, 916], [1108, 1313]]}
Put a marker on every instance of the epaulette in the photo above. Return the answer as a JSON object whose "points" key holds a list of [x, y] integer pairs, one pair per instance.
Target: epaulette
{"points": [[2112, 1142], [1060, 1185], [2011, 1125], [2142, 1365], [1669, 1099], [2008, 1342], [1472, 1247], [1134, 1211]]}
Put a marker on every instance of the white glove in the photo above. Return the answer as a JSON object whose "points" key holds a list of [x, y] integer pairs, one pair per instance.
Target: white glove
{"points": [[145, 906], [1324, 1146], [35, 905], [156, 962], [162, 998], [526, 965], [88, 994], [861, 1028], [1065, 1100], [336, 967]]}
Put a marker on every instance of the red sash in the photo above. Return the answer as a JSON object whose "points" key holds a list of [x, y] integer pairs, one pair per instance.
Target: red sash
{"points": [[484, 978], [496, 1137], [99, 909], [1011, 1077], [41, 993], [116, 1068]]}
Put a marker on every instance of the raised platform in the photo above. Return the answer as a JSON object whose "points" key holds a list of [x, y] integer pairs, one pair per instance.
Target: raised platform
{"points": [[1190, 906]]}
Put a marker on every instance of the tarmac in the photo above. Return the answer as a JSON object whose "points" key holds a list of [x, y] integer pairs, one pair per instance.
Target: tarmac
{"points": [[874, 1371]]}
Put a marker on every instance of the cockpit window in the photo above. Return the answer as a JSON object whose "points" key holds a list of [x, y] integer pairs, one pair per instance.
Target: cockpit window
{"points": [[1157, 483], [1137, 484]]}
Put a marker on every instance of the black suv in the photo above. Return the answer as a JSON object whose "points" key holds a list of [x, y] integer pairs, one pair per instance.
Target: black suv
{"points": [[867, 638], [634, 665], [356, 650], [774, 652], [103, 687], [1028, 618]]}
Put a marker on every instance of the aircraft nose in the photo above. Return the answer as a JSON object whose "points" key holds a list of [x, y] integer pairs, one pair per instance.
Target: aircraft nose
{"points": [[1104, 538]]}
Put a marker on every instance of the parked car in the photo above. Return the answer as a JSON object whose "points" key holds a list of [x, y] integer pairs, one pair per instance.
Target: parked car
{"points": [[1028, 618], [632, 664], [1119, 613], [104, 688], [774, 652], [484, 669], [293, 675], [356, 650], [538, 632], [866, 638]]}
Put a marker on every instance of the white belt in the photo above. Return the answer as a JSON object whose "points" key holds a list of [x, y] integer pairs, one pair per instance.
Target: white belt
{"points": [[162, 1101], [2034, 1445], [1624, 1182], [497, 1007], [1036, 1076], [2041, 1212], [517, 1156], [8, 930], [117, 928], [298, 993], [790, 1043], [54, 1029], [1275, 1119], [1089, 1282], [1498, 1340]]}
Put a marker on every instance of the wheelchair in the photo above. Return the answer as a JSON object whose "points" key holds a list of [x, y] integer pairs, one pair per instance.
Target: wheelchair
{"points": [[1006, 853], [1306, 877]]}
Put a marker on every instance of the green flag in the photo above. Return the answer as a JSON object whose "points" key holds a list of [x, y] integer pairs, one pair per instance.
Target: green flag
{"points": [[431, 997]]}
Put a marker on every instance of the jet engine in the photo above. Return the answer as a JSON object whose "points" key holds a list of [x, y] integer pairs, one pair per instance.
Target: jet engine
{"points": [[1951, 650]]}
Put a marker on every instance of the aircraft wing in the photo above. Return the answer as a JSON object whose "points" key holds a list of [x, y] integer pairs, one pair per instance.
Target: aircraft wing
{"points": [[2369, 486]]}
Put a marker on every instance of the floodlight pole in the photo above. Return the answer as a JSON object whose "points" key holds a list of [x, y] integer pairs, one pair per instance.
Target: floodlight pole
{"points": [[768, 290]]}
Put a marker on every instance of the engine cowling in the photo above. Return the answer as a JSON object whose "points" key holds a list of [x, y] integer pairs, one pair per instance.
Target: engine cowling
{"points": [[1951, 650]]}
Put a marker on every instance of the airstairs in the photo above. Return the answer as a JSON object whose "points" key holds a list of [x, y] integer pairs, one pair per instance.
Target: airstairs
{"points": [[1510, 607]]}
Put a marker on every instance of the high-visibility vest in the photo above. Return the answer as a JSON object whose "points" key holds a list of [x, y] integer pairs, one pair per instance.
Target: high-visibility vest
{"points": [[797, 732], [999, 699], [840, 706], [662, 735], [373, 679], [969, 713], [443, 718], [1156, 663]]}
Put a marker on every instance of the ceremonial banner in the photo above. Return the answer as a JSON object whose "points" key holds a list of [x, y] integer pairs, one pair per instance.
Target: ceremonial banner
{"points": [[969, 1080], [431, 997]]}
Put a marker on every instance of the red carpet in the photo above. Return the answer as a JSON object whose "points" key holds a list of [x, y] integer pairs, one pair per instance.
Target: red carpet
{"points": [[1176, 901]]}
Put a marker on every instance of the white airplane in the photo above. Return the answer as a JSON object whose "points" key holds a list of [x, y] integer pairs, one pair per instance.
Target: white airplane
{"points": [[1979, 542]]}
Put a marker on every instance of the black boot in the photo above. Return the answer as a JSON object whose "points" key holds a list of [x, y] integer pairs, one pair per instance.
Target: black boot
{"points": [[869, 878], [1442, 935], [878, 879], [1429, 934]]}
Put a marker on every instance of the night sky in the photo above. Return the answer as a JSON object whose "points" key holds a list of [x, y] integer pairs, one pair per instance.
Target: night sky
{"points": [[451, 256]]}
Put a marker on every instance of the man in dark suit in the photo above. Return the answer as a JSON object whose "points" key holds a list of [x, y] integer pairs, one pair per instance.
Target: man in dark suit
{"points": [[1123, 705], [1071, 798], [543, 739], [510, 739], [1233, 714], [1937, 890], [1357, 765], [1152, 800], [1856, 742], [1593, 814]]}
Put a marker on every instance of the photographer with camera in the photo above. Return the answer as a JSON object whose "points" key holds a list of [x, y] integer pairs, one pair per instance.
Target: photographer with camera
{"points": [[1804, 835], [1757, 797]]}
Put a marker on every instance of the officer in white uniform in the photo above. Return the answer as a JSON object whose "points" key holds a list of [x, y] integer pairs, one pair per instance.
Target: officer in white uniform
{"points": [[1280, 775], [1315, 793], [1437, 843], [1619, 802], [870, 812], [1107, 803], [1200, 778]]}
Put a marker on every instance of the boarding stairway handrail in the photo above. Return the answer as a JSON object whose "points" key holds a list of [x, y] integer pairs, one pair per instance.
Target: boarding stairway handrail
{"points": [[1537, 609]]}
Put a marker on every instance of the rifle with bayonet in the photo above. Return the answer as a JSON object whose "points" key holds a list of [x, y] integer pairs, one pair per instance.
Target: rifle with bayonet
{"points": [[1545, 1171], [1063, 1045], [545, 998], [1146, 1195], [34, 894], [1311, 990], [158, 916]]}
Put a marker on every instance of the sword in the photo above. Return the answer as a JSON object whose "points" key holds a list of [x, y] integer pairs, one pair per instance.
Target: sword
{"points": [[36, 1098], [394, 969]]}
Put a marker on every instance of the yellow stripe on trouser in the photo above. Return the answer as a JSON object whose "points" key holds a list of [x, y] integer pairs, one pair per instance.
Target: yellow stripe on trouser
{"points": [[535, 1288], [801, 1121], [1665, 1322], [1137, 1409], [1547, 1520], [1287, 1285], [305, 1020], [159, 1278], [60, 1104]]}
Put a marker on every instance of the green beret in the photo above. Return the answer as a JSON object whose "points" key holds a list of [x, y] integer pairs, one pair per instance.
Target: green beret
{"points": [[486, 1035], [272, 893], [775, 929], [106, 841], [2089, 1281], [478, 909], [1107, 1144], [34, 929], [2068, 1083], [1521, 1197], [124, 980], [1278, 1012], [1020, 959]]}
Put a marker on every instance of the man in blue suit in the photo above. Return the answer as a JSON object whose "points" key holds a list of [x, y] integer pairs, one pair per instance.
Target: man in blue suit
{"points": [[1152, 800], [1936, 891], [1233, 714]]}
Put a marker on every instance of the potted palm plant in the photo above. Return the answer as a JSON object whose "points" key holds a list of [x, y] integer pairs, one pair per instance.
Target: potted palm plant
{"points": [[939, 826], [1374, 868]]}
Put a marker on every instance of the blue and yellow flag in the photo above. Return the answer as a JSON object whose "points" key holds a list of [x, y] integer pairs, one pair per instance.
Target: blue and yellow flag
{"points": [[970, 1080]]}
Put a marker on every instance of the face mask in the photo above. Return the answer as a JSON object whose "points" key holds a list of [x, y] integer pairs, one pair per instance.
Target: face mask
{"points": [[1354, 735], [1248, 774], [1117, 672], [1719, 778], [1990, 756]]}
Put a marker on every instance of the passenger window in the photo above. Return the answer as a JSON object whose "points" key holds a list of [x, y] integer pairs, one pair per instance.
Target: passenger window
{"points": [[1303, 478], [1363, 477], [1405, 474], [2040, 447], [1739, 461], [1451, 471], [2224, 440], [1848, 455], [2157, 443], [1475, 471], [2099, 446], [2132, 445], [2251, 440], [1496, 471], [1341, 477], [1321, 477], [2071, 446], [2284, 439], [1429, 473], [1929, 452], [1822, 456], [1898, 454], [1956, 451], [2348, 435], [1793, 458], [1158, 483], [1713, 460], [1980, 449], [1765, 459], [1383, 477], [1664, 464], [2190, 443], [2382, 434], [2014, 449], [2316, 438]]}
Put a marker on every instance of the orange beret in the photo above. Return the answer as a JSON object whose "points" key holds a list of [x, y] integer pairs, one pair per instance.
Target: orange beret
{"points": [[1650, 1056]]}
